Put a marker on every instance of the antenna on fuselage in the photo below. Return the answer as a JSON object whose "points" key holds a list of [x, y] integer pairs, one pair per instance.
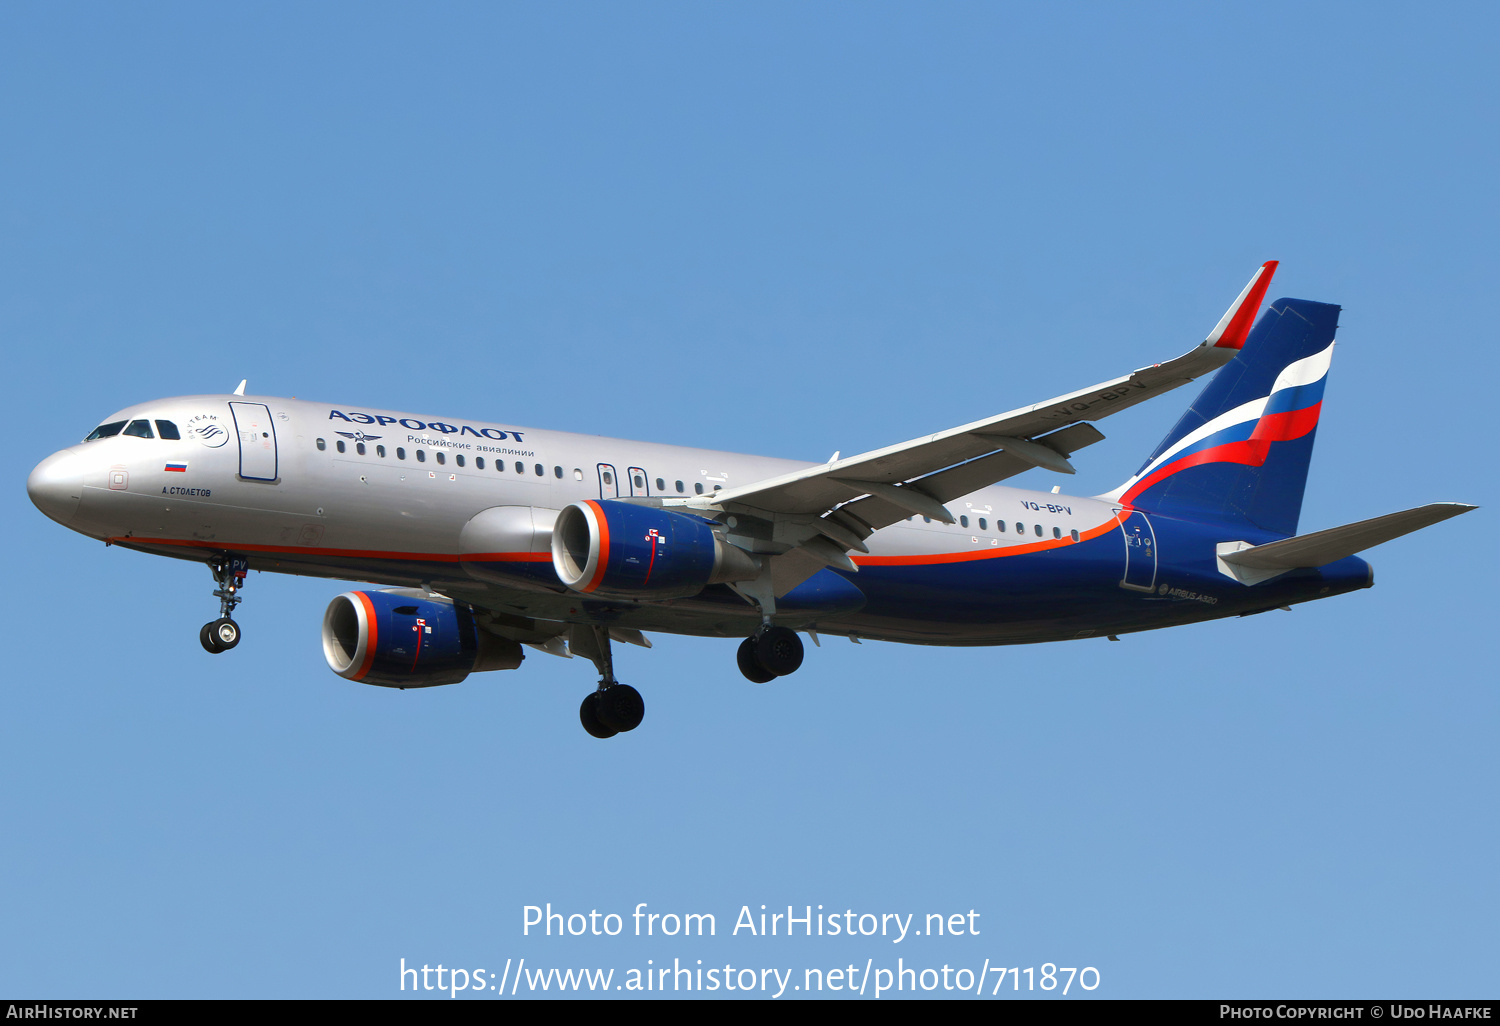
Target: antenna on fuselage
{"points": [[241, 389]]}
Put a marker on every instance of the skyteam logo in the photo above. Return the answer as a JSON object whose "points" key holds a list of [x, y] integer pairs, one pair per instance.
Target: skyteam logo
{"points": [[1246, 433], [205, 427]]}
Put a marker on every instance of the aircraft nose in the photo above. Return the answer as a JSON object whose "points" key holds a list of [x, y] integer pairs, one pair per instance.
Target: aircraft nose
{"points": [[56, 485]]}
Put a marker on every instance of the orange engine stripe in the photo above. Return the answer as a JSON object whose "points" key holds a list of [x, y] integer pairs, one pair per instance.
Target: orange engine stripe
{"points": [[603, 546], [372, 640]]}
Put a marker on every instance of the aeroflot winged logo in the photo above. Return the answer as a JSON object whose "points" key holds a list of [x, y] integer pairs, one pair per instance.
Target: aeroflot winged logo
{"points": [[359, 436], [1245, 433], [412, 424]]}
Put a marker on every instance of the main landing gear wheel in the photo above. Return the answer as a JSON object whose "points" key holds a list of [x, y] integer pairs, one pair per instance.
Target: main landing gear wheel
{"points": [[621, 707], [749, 665], [588, 715], [769, 653], [778, 650]]}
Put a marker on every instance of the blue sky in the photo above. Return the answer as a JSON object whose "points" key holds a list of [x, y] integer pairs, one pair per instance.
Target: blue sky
{"points": [[774, 228]]}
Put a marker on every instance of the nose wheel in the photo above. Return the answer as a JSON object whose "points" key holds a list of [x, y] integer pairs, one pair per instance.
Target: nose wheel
{"points": [[220, 636], [229, 575]]}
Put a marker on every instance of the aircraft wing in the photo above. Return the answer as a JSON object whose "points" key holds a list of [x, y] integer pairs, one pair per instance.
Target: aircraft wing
{"points": [[856, 496]]}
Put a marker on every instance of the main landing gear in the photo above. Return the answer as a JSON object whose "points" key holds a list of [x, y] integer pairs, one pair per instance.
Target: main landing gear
{"points": [[769, 653], [223, 634], [614, 707], [772, 651]]}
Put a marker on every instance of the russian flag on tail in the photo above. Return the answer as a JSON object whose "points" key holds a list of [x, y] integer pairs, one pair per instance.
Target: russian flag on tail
{"points": [[1241, 452], [1244, 434]]}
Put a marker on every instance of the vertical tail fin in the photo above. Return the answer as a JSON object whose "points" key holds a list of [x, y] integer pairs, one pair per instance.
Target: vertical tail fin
{"points": [[1241, 452]]}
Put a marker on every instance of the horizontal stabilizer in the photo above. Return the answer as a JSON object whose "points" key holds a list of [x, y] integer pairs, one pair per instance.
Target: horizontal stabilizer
{"points": [[1324, 547]]}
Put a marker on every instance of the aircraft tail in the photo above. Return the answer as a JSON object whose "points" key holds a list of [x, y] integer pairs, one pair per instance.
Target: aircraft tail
{"points": [[1241, 452]]}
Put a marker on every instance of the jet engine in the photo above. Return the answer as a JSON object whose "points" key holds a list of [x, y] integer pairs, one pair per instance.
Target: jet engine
{"points": [[398, 639], [624, 550]]}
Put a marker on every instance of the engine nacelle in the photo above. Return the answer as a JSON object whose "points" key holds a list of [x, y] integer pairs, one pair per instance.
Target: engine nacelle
{"points": [[509, 545], [625, 550], [404, 640]]}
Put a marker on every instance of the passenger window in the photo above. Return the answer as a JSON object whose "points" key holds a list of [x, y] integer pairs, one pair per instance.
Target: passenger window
{"points": [[166, 429], [982, 525], [400, 453], [926, 520], [1038, 530], [322, 445], [421, 456], [459, 459], [609, 478], [577, 474], [1020, 527], [964, 521], [380, 451], [520, 467], [557, 473], [698, 487], [442, 457], [106, 430], [140, 429], [359, 447], [661, 485], [680, 488], [339, 446], [638, 481], [718, 488], [539, 471], [478, 462], [1000, 526], [1075, 535], [1057, 532]]}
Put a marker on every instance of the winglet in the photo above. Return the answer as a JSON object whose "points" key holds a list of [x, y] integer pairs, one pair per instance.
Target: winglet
{"points": [[241, 389], [1234, 327]]}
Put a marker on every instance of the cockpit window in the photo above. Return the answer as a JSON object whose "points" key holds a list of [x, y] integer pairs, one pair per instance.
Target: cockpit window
{"points": [[166, 429], [140, 429], [106, 430]]}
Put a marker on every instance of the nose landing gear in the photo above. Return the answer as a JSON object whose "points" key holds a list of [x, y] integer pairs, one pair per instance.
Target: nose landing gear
{"points": [[229, 574]]}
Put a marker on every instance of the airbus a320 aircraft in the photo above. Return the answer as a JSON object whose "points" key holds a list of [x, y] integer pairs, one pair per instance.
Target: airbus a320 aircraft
{"points": [[490, 537]]}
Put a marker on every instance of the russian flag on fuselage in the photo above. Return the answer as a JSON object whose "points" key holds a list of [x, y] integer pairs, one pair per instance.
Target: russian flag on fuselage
{"points": [[1242, 450]]}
